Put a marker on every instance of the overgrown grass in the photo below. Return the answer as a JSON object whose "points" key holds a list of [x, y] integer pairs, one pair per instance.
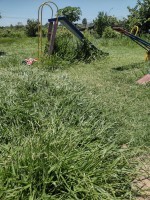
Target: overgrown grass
{"points": [[12, 32], [70, 49], [75, 132]]}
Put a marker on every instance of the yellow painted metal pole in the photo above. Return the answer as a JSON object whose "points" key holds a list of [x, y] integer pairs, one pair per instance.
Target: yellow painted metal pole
{"points": [[136, 28], [147, 57], [40, 17]]}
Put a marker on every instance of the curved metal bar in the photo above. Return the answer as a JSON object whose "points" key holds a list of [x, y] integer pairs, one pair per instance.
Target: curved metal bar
{"points": [[136, 28], [44, 4], [53, 4], [40, 25], [41, 7], [40, 17]]}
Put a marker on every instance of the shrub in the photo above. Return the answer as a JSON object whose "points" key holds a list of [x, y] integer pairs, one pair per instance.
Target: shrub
{"points": [[31, 28], [6, 32], [71, 13], [102, 21], [70, 49], [109, 33]]}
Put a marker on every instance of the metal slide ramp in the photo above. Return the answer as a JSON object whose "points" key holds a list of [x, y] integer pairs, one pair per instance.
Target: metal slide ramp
{"points": [[72, 28]]}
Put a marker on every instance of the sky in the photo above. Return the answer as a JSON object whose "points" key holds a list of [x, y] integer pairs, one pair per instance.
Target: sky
{"points": [[14, 11]]}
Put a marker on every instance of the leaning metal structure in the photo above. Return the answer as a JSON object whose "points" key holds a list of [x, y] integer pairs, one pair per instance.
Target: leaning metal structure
{"points": [[52, 27]]}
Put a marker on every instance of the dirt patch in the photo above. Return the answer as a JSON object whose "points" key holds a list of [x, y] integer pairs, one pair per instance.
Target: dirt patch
{"points": [[141, 185]]}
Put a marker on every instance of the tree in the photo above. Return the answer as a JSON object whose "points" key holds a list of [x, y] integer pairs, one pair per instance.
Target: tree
{"points": [[71, 13], [19, 25], [140, 15], [84, 22], [31, 28], [102, 21], [123, 23]]}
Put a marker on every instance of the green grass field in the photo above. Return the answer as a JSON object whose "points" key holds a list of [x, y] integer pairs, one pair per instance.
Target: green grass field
{"points": [[72, 131]]}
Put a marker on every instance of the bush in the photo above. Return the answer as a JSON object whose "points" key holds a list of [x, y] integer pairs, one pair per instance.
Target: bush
{"points": [[6, 32], [31, 28], [65, 45], [109, 33], [71, 13], [102, 21], [70, 49]]}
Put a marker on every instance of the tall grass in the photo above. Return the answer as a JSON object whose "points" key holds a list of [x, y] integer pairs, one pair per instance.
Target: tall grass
{"points": [[70, 49], [71, 134], [54, 142], [12, 33]]}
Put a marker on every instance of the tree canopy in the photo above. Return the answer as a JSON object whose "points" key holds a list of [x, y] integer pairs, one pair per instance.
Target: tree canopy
{"points": [[140, 15], [84, 22], [71, 13], [31, 28], [102, 21]]}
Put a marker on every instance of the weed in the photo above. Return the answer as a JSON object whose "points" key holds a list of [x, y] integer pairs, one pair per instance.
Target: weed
{"points": [[68, 48]]}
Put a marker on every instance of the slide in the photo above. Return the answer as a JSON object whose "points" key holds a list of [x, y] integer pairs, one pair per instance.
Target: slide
{"points": [[72, 28]]}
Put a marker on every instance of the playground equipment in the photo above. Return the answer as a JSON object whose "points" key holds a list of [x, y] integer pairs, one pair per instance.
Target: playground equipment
{"points": [[52, 28], [135, 30], [72, 28], [144, 44]]}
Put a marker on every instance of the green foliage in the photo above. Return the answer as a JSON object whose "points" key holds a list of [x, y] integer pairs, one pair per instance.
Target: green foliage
{"points": [[124, 23], [71, 13], [31, 28], [68, 48], [140, 15], [110, 33], [75, 133], [53, 62], [12, 32], [65, 45], [102, 21], [84, 22], [87, 52], [56, 142]]}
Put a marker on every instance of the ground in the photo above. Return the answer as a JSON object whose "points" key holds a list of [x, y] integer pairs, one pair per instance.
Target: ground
{"points": [[75, 131]]}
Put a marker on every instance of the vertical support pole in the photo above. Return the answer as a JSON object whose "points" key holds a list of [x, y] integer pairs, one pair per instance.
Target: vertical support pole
{"points": [[51, 47], [147, 57], [50, 28]]}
